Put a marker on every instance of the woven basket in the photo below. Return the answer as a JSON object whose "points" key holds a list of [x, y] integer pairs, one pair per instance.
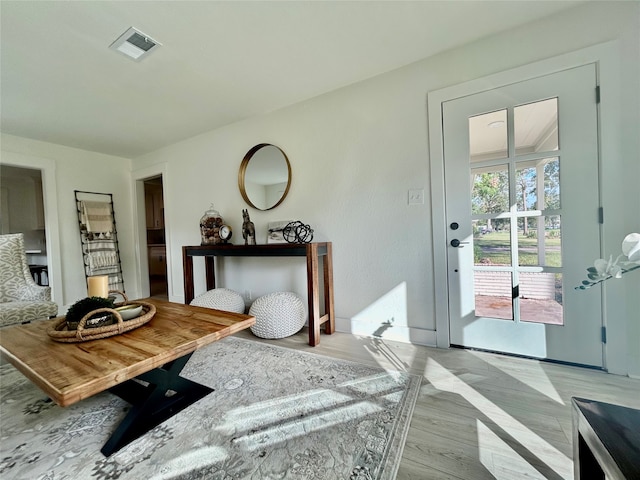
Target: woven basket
{"points": [[60, 331]]}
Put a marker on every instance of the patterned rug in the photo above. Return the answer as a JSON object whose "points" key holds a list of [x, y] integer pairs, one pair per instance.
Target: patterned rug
{"points": [[276, 413]]}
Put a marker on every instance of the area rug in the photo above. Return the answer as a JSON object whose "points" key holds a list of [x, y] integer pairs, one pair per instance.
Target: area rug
{"points": [[276, 413]]}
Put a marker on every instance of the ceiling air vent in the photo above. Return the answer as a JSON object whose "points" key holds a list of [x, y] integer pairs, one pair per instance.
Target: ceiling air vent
{"points": [[135, 44]]}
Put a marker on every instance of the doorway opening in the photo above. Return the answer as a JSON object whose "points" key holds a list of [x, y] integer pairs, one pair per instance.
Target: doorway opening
{"points": [[23, 212], [156, 241]]}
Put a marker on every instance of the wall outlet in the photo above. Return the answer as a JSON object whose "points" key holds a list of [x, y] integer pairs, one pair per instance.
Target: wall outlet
{"points": [[416, 196], [248, 295]]}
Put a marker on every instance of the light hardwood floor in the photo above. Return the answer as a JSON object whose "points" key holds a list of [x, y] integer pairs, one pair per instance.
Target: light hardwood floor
{"points": [[481, 415]]}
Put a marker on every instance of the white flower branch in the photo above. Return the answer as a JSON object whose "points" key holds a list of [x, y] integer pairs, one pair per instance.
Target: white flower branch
{"points": [[603, 270]]}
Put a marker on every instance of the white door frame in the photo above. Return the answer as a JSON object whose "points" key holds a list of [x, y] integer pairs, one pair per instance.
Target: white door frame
{"points": [[605, 56]]}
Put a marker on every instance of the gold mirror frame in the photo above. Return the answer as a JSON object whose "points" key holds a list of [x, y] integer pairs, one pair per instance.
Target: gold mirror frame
{"points": [[243, 172]]}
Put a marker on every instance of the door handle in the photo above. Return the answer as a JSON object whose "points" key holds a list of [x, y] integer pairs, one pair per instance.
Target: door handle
{"points": [[456, 243]]}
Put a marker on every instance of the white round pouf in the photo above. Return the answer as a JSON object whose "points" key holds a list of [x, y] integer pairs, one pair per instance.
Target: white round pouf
{"points": [[278, 315], [220, 299]]}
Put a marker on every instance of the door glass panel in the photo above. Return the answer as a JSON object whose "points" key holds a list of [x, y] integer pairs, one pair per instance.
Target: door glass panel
{"points": [[492, 242], [488, 136], [552, 241], [490, 190], [551, 184], [541, 298], [536, 127], [528, 252], [493, 294], [538, 183], [526, 185], [539, 241]]}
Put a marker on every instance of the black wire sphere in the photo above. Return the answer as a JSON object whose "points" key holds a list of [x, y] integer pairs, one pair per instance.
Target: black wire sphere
{"points": [[297, 232]]}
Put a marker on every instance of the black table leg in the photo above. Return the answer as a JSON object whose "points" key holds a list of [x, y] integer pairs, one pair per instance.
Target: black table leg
{"points": [[163, 394]]}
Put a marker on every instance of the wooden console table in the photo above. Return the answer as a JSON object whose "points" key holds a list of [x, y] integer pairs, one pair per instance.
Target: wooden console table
{"points": [[606, 441], [312, 251]]}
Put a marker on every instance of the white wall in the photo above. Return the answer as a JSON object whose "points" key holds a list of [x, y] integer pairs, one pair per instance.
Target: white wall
{"points": [[65, 170], [349, 181], [357, 151]]}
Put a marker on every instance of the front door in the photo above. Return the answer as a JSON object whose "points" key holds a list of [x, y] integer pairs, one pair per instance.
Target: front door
{"points": [[521, 173]]}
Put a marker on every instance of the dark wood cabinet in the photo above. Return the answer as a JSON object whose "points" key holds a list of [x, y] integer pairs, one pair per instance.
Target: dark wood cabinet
{"points": [[154, 206], [158, 260]]}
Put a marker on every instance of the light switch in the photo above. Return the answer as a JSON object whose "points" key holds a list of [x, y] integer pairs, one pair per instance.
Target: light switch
{"points": [[416, 196]]}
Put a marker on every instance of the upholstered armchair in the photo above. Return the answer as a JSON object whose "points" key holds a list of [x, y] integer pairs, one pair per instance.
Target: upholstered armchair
{"points": [[21, 299]]}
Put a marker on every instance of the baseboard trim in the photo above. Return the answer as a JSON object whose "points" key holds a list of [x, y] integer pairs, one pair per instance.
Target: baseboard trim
{"points": [[417, 336]]}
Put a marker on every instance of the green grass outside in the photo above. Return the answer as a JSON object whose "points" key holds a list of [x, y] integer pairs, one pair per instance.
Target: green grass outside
{"points": [[495, 248]]}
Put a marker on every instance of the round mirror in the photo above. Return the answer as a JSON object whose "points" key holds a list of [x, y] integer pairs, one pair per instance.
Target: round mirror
{"points": [[265, 176]]}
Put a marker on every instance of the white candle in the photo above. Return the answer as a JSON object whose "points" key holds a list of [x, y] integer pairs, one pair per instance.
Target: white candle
{"points": [[98, 286]]}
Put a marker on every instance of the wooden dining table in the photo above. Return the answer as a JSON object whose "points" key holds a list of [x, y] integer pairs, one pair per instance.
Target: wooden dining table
{"points": [[141, 366]]}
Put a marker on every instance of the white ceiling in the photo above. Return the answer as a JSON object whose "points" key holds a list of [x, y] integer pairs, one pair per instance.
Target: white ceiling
{"points": [[221, 61]]}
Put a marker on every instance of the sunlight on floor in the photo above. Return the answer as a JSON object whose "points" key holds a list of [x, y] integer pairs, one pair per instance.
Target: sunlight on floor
{"points": [[293, 416], [500, 459], [263, 435], [191, 461], [443, 379], [374, 385], [279, 409], [538, 380], [385, 356]]}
